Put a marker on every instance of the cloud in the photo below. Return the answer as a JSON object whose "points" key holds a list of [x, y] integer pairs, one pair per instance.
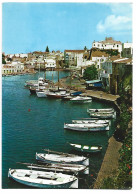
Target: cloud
{"points": [[120, 19]]}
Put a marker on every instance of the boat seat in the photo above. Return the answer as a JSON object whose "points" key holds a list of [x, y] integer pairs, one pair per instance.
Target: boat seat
{"points": [[85, 147], [33, 176], [60, 179], [21, 174]]}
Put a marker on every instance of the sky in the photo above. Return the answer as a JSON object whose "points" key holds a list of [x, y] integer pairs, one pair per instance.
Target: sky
{"points": [[28, 27]]}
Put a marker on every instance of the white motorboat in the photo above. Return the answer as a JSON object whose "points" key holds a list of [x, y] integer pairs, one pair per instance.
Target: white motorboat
{"points": [[42, 94], [81, 99], [42, 179]]}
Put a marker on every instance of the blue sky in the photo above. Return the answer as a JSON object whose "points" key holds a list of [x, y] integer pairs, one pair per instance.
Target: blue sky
{"points": [[27, 27]]}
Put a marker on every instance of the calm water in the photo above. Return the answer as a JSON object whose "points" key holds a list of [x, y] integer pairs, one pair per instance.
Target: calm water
{"points": [[26, 132]]}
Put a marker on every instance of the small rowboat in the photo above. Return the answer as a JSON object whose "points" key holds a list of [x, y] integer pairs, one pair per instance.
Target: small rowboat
{"points": [[60, 94], [86, 148], [103, 115], [106, 110], [61, 158], [41, 179], [90, 121], [87, 127], [59, 167]]}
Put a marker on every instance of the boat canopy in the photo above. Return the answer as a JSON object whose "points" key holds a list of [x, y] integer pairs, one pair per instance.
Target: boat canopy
{"points": [[76, 93], [94, 83]]}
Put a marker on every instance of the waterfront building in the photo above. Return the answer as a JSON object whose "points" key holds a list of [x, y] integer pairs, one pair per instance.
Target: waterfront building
{"points": [[97, 57], [113, 71], [108, 43], [73, 57], [12, 67], [7, 69], [50, 63]]}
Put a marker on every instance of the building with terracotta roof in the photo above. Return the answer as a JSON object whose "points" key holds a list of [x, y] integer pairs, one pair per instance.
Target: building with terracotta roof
{"points": [[108, 43], [97, 57]]}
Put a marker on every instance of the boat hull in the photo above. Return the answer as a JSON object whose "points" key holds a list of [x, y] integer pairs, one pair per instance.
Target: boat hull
{"points": [[98, 149], [91, 121], [80, 101], [71, 184], [90, 129], [45, 160], [78, 170], [32, 91], [41, 95], [105, 116]]}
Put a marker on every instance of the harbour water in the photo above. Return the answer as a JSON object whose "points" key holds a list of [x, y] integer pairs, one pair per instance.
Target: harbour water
{"points": [[30, 124]]}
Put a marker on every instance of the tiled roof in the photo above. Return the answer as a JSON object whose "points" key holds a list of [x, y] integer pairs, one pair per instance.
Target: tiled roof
{"points": [[123, 60], [75, 51]]}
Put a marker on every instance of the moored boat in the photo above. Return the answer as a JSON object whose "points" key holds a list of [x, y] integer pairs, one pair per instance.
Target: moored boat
{"points": [[87, 127], [59, 94], [60, 167], [106, 110], [67, 97], [90, 121], [81, 99], [42, 179], [86, 148], [103, 115], [61, 158], [42, 94]]}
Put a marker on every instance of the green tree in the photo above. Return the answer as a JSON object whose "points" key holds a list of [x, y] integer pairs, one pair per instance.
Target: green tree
{"points": [[47, 49], [85, 48], [90, 73], [3, 59]]}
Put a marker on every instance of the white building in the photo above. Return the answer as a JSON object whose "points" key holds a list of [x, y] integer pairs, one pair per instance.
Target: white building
{"points": [[18, 66], [18, 55], [7, 69], [14, 67], [108, 43], [98, 57], [50, 63]]}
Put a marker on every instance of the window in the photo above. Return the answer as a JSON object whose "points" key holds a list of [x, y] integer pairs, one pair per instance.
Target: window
{"points": [[98, 45], [117, 45], [94, 45]]}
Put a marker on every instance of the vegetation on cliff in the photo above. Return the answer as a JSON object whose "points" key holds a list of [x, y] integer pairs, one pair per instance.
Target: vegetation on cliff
{"points": [[122, 179]]}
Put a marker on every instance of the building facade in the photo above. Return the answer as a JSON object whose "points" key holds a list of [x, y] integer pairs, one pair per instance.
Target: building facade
{"points": [[108, 43], [113, 71]]}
